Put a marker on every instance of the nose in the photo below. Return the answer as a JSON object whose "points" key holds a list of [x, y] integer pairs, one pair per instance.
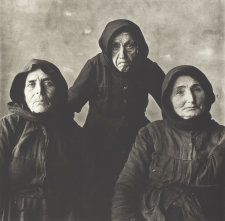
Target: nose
{"points": [[190, 96], [38, 88], [122, 52]]}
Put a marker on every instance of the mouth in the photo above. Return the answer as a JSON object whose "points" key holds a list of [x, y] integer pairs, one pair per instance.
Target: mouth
{"points": [[40, 101], [191, 108], [122, 62]]}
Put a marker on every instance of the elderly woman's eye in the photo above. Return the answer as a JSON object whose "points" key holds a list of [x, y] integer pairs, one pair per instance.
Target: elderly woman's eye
{"points": [[180, 92], [115, 47], [198, 89], [49, 83], [30, 84], [130, 46]]}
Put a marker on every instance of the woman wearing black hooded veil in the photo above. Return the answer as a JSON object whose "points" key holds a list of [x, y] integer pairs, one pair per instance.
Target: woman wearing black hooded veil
{"points": [[116, 83], [40, 156], [176, 168]]}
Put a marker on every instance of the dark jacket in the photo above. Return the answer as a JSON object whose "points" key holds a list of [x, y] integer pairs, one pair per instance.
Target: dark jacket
{"points": [[179, 165], [40, 156], [117, 104]]}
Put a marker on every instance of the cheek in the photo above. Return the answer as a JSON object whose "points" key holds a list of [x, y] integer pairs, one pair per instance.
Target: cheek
{"points": [[51, 93], [115, 57], [131, 55], [201, 99], [28, 95], [177, 103]]}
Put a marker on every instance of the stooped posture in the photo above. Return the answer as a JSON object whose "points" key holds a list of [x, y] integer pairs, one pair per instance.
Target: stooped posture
{"points": [[39, 148], [116, 83], [175, 171]]}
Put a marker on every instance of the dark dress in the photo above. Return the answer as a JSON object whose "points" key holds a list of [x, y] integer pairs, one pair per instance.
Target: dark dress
{"points": [[117, 104]]}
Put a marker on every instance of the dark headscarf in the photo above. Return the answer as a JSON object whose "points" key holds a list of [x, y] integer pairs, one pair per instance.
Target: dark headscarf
{"points": [[115, 27], [18, 84], [168, 112], [18, 104]]}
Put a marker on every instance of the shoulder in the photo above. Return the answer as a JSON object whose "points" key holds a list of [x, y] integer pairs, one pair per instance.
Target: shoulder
{"points": [[152, 128], [11, 123], [217, 131], [153, 65], [153, 70], [156, 125], [97, 59], [10, 120], [94, 64]]}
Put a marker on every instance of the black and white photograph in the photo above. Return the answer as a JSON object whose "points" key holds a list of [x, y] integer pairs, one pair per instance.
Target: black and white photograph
{"points": [[112, 110]]}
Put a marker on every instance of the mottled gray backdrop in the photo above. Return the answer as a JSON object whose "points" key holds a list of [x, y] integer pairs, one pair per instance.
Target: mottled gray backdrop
{"points": [[66, 33]]}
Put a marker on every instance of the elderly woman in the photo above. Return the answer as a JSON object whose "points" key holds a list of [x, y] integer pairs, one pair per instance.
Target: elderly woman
{"points": [[176, 171], [116, 83], [39, 148]]}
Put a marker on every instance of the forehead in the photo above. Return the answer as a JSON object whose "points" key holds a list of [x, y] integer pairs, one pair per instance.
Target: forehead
{"points": [[185, 81], [37, 74], [123, 37]]}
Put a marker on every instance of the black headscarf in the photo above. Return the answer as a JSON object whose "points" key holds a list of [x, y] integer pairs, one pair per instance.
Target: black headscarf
{"points": [[115, 27], [18, 104], [201, 121]]}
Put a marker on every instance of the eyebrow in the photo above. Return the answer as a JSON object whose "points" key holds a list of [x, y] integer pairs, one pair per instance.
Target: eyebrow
{"points": [[194, 85], [43, 79]]}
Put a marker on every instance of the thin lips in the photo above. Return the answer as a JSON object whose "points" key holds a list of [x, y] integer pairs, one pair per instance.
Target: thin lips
{"points": [[39, 101], [123, 62], [194, 107]]}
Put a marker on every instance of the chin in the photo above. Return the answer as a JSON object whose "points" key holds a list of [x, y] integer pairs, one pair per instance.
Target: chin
{"points": [[40, 110], [126, 69], [190, 116]]}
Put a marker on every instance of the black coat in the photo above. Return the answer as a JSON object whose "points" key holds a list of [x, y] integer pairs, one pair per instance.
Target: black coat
{"points": [[175, 170], [40, 168], [40, 155], [117, 104]]}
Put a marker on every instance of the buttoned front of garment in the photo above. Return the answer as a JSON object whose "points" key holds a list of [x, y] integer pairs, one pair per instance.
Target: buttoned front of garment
{"points": [[184, 169]]}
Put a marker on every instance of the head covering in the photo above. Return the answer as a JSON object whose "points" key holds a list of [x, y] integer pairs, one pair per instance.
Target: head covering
{"points": [[18, 84], [18, 104], [117, 26], [167, 108]]}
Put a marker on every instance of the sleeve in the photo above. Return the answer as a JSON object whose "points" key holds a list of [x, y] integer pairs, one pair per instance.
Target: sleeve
{"points": [[132, 180], [83, 88], [156, 79], [5, 140]]}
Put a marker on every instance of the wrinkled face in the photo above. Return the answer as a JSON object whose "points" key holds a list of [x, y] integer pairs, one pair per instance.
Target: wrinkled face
{"points": [[124, 51], [187, 97], [39, 91]]}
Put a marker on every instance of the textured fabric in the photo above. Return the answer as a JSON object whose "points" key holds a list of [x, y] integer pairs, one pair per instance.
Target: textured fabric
{"points": [[184, 169], [43, 168], [175, 170], [117, 104]]}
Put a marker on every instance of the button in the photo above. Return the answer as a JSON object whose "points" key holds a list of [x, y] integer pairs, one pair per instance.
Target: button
{"points": [[125, 87]]}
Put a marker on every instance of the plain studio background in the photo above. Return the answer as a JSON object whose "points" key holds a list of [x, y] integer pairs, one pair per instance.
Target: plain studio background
{"points": [[66, 32]]}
